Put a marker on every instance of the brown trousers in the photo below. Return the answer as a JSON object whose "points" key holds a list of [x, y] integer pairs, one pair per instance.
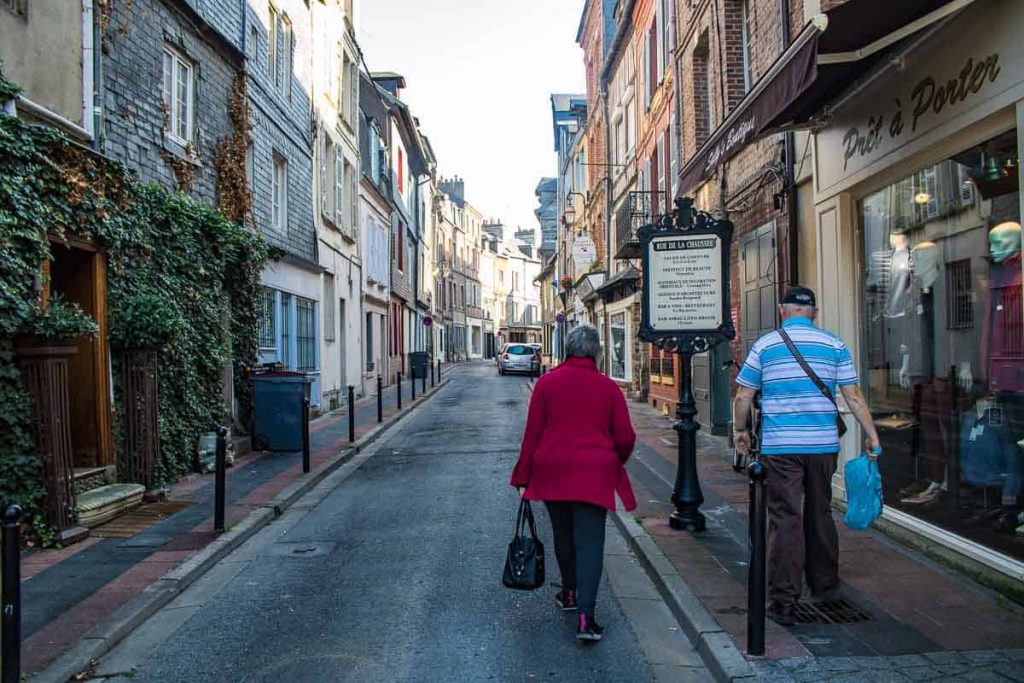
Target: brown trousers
{"points": [[801, 540]]}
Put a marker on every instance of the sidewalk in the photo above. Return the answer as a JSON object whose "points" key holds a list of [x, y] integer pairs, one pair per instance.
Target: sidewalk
{"points": [[910, 619], [67, 593]]}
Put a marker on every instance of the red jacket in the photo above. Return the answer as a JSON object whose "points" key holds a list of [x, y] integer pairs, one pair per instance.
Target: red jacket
{"points": [[578, 438]]}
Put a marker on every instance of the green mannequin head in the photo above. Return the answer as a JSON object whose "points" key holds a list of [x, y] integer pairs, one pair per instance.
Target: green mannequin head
{"points": [[1004, 241]]}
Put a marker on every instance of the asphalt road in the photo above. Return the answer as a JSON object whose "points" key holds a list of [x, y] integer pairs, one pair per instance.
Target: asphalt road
{"points": [[391, 572]]}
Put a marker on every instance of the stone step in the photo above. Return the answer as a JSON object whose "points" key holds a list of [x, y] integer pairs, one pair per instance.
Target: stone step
{"points": [[106, 502]]}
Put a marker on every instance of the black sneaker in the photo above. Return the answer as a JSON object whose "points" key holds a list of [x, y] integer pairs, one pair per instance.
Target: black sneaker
{"points": [[566, 600], [588, 630], [781, 614]]}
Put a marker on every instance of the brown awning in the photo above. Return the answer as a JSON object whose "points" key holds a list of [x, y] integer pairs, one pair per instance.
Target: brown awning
{"points": [[827, 57]]}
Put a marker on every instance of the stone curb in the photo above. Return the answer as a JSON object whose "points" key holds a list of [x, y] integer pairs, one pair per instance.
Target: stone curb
{"points": [[113, 629], [715, 646]]}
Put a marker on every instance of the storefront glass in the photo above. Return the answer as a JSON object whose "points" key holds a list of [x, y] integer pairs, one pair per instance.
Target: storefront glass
{"points": [[943, 347]]}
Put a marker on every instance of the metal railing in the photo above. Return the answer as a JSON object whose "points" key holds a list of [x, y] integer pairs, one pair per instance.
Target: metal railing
{"points": [[639, 209]]}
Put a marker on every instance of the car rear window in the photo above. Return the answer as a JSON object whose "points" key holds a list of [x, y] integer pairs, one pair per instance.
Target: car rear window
{"points": [[519, 350]]}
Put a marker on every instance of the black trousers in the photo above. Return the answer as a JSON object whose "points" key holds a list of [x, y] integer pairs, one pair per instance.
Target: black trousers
{"points": [[578, 529], [802, 535]]}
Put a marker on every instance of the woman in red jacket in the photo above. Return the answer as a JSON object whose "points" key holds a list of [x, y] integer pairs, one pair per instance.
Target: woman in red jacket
{"points": [[578, 438]]}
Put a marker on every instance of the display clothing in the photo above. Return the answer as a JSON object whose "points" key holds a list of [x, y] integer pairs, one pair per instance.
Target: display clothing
{"points": [[988, 455], [1002, 341]]}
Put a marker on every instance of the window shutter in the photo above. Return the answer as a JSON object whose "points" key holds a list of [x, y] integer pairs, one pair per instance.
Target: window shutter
{"points": [[325, 180], [339, 190]]}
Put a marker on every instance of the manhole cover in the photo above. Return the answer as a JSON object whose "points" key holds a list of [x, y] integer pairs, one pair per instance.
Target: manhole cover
{"points": [[831, 612]]}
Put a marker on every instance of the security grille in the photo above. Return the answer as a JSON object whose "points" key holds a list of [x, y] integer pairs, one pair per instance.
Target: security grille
{"points": [[831, 612], [959, 303]]}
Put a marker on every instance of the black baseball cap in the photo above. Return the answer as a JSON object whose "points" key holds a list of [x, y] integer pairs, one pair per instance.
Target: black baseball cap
{"points": [[801, 296]]}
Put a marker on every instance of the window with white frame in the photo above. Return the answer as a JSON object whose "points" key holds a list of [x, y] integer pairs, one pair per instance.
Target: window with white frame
{"points": [[326, 176], [328, 307], [630, 119], [352, 183], [279, 195], [267, 319], [339, 190], [279, 51], [179, 95], [618, 350]]}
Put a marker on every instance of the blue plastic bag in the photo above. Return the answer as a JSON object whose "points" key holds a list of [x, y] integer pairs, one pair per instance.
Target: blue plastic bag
{"points": [[863, 492]]}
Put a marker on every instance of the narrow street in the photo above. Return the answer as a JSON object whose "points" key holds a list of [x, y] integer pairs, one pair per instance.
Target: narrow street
{"points": [[390, 571]]}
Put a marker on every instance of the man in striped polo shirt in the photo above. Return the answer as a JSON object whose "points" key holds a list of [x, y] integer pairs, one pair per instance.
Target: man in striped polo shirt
{"points": [[800, 442]]}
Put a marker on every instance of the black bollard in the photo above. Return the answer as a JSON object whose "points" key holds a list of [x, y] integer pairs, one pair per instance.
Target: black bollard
{"points": [[380, 399], [399, 385], [10, 595], [412, 381], [423, 383], [305, 435], [686, 494], [432, 385], [439, 370], [758, 552], [351, 414], [220, 479]]}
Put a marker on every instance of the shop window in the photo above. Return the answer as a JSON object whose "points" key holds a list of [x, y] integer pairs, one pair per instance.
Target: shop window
{"points": [[619, 364], [943, 346]]}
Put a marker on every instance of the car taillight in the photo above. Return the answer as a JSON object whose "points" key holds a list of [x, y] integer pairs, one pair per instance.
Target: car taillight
{"points": [[505, 357]]}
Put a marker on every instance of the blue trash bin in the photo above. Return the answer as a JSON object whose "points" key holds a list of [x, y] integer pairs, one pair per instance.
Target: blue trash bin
{"points": [[277, 409]]}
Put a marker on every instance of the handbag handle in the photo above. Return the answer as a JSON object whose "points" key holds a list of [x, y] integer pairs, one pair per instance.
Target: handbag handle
{"points": [[525, 514]]}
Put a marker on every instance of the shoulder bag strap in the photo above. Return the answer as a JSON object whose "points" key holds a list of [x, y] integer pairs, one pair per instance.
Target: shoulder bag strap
{"points": [[807, 368]]}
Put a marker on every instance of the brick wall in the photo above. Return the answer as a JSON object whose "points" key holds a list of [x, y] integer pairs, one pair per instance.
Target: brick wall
{"points": [[591, 40], [135, 123]]}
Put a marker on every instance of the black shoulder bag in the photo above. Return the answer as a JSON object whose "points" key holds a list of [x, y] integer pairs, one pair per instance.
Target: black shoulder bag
{"points": [[840, 423], [524, 563]]}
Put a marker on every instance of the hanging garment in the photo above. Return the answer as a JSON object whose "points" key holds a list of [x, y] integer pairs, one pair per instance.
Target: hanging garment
{"points": [[988, 456]]}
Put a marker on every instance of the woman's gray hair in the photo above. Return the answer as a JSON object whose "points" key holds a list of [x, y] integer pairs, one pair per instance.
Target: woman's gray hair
{"points": [[583, 342]]}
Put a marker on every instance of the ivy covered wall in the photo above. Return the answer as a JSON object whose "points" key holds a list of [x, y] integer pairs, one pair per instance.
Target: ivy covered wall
{"points": [[179, 275]]}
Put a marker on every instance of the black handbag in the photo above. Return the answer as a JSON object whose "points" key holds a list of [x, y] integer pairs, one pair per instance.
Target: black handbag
{"points": [[524, 564], [840, 422]]}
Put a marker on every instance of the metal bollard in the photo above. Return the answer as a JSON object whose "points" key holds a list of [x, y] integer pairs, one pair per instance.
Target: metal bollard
{"points": [[432, 385], [423, 385], [399, 385], [10, 596], [439, 370], [351, 414], [305, 435], [220, 479], [758, 551], [412, 381], [380, 399]]}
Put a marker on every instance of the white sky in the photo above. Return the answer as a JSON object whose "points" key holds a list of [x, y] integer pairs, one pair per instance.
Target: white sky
{"points": [[479, 74]]}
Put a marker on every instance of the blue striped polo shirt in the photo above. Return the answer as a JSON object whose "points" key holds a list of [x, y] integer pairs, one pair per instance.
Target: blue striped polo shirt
{"points": [[795, 418]]}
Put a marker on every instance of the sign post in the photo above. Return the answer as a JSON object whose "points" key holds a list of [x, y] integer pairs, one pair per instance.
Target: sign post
{"points": [[686, 311]]}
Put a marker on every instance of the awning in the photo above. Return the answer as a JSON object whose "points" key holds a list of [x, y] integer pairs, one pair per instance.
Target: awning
{"points": [[828, 56]]}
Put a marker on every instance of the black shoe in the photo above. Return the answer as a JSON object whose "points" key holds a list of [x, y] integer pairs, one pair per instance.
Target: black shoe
{"points": [[566, 600], [588, 630], [781, 614]]}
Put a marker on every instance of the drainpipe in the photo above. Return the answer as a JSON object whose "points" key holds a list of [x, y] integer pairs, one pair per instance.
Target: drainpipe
{"points": [[789, 176]]}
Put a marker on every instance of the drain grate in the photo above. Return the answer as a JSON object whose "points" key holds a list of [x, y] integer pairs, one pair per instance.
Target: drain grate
{"points": [[831, 612]]}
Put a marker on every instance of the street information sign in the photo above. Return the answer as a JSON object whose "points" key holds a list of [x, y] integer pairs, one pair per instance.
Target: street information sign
{"points": [[686, 280], [686, 283]]}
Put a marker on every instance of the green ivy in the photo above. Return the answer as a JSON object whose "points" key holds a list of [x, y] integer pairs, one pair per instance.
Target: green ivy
{"points": [[180, 277]]}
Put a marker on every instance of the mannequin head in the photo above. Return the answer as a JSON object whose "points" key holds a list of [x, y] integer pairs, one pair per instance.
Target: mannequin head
{"points": [[898, 240], [926, 263], [1004, 241]]}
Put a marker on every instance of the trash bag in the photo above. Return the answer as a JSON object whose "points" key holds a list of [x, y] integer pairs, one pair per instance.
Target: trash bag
{"points": [[863, 492]]}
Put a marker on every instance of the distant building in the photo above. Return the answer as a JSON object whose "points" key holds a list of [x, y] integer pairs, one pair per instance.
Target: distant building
{"points": [[547, 215]]}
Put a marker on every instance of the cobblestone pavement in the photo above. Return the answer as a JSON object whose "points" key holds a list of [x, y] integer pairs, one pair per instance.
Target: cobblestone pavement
{"points": [[975, 667]]}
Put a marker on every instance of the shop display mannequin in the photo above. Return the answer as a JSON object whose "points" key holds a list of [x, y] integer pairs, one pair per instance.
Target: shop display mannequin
{"points": [[1002, 364]]}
